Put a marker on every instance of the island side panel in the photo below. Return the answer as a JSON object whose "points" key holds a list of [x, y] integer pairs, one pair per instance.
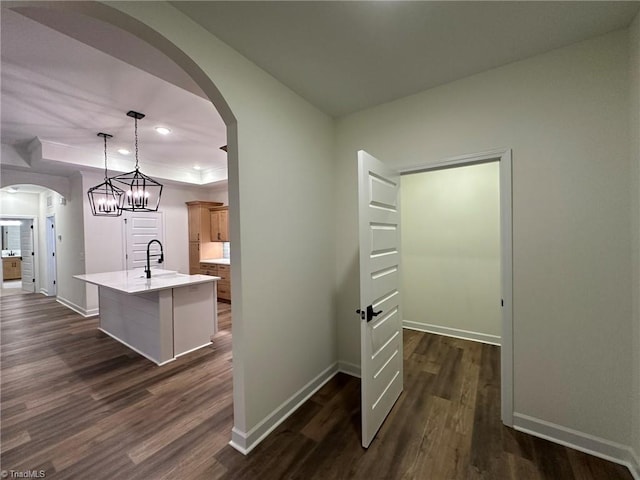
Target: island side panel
{"points": [[195, 317], [165, 298], [135, 321]]}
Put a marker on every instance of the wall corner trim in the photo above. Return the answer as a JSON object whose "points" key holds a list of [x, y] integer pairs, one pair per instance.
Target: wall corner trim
{"points": [[583, 442], [452, 332], [349, 368], [77, 308], [244, 442]]}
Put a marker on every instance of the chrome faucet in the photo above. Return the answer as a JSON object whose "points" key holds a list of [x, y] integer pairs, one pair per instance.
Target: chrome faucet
{"points": [[147, 270]]}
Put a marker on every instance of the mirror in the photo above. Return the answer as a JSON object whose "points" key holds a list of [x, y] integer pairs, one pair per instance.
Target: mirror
{"points": [[10, 237]]}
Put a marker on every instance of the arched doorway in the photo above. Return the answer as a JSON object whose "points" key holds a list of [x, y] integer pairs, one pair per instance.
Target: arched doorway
{"points": [[146, 33], [28, 248]]}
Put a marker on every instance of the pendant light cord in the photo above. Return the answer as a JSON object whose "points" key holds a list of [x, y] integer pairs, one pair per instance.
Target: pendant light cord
{"points": [[136, 137], [105, 159]]}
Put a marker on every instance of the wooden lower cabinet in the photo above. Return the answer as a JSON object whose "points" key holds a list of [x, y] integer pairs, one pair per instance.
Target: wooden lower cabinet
{"points": [[11, 268], [222, 271]]}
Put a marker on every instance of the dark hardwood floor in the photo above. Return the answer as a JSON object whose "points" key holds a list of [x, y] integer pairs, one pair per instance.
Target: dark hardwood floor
{"points": [[77, 404]]}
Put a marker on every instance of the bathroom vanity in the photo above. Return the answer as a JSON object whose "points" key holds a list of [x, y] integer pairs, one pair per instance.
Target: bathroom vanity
{"points": [[11, 268], [162, 317]]}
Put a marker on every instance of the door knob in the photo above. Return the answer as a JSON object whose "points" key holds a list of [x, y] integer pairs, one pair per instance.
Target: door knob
{"points": [[369, 313]]}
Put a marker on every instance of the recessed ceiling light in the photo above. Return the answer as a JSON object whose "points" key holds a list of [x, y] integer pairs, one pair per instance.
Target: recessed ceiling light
{"points": [[197, 167], [163, 130], [124, 151]]}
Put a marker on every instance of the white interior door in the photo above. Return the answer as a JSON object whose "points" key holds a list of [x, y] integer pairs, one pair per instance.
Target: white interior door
{"points": [[52, 275], [27, 252], [381, 320], [140, 229]]}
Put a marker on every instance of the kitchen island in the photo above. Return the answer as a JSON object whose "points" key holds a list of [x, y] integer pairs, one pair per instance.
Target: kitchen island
{"points": [[162, 317]]}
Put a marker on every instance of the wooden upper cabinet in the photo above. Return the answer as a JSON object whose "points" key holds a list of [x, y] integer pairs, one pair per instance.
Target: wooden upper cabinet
{"points": [[199, 221], [194, 224], [200, 244], [219, 224]]}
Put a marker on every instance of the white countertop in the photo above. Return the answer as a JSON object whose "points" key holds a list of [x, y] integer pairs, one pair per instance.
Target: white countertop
{"points": [[217, 261], [133, 282]]}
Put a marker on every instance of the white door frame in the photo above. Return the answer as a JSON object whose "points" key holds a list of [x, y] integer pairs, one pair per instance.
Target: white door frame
{"points": [[36, 270], [51, 264], [503, 156]]}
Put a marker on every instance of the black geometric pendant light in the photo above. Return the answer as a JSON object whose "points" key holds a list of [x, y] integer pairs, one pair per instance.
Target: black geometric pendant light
{"points": [[106, 199], [141, 193]]}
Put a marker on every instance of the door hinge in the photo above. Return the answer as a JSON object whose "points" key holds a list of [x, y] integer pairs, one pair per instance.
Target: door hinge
{"points": [[33, 280], [33, 253], [502, 302], [53, 254], [31, 227], [125, 220], [54, 282]]}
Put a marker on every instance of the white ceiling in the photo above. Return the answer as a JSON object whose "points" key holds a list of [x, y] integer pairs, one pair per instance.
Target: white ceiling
{"points": [[349, 55], [64, 92], [66, 77]]}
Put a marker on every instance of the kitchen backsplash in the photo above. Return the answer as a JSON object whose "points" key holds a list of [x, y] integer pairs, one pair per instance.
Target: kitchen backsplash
{"points": [[226, 250]]}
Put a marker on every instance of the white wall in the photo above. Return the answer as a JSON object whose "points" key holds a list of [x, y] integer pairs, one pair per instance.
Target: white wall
{"points": [[634, 37], [70, 253], [281, 218], [565, 115], [219, 193], [18, 203], [451, 251], [18, 177]]}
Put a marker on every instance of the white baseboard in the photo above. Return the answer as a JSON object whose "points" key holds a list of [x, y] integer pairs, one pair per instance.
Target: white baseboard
{"points": [[634, 464], [77, 308], [136, 350], [452, 332], [193, 349], [596, 446], [245, 442], [349, 368], [44, 292]]}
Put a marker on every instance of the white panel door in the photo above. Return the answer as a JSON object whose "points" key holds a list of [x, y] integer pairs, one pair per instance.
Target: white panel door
{"points": [[381, 321], [140, 229], [26, 250]]}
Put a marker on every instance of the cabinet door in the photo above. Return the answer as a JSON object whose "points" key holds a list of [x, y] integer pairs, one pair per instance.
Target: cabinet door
{"points": [[205, 225], [224, 225], [194, 258], [6, 269], [194, 223], [215, 226]]}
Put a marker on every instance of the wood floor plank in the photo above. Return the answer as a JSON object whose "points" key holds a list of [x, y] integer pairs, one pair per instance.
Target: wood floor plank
{"points": [[77, 404]]}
